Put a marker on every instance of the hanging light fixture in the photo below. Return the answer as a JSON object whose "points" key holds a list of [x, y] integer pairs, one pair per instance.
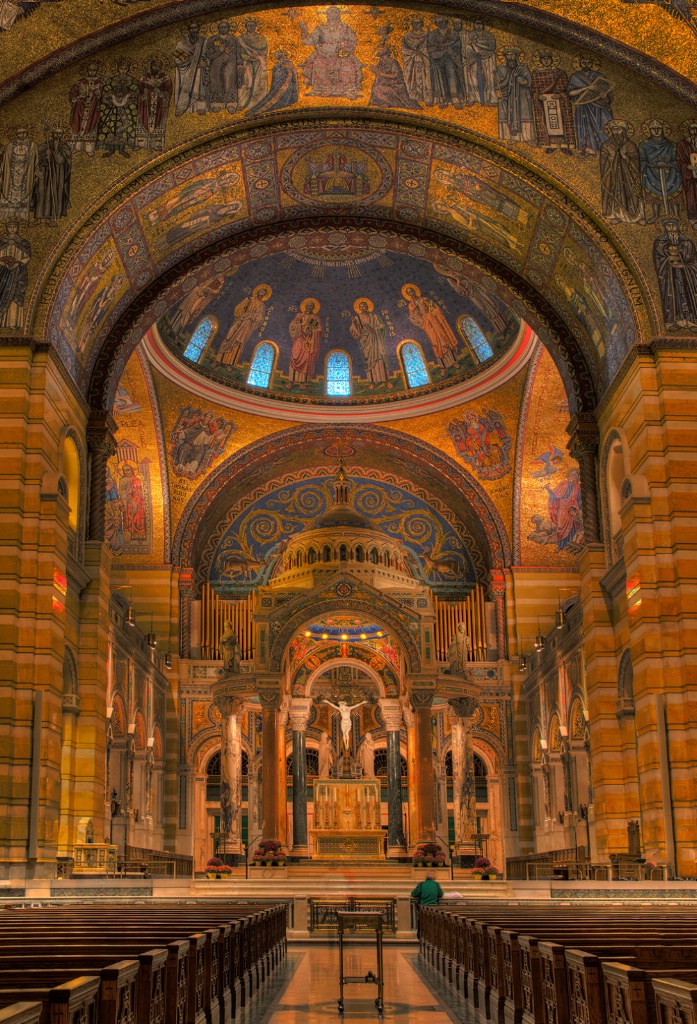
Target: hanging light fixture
{"points": [[168, 660], [522, 663], [539, 639], [560, 618], [151, 639], [131, 616]]}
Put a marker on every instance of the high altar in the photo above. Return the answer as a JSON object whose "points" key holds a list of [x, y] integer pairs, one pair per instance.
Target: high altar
{"points": [[347, 820]]}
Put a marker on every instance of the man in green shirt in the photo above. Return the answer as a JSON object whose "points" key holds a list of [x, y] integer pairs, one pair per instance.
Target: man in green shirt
{"points": [[427, 894]]}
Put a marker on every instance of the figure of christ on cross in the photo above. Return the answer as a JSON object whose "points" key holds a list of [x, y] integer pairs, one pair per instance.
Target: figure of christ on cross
{"points": [[345, 710]]}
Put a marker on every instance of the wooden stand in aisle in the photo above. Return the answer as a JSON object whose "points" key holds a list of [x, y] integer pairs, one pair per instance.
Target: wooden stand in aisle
{"points": [[363, 920]]}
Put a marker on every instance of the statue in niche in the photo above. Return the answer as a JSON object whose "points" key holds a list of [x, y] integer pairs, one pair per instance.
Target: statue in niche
{"points": [[326, 756], [366, 754], [457, 651], [230, 649], [345, 710]]}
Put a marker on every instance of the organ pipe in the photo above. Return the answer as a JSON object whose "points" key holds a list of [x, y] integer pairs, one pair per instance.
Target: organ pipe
{"points": [[215, 612], [471, 611]]}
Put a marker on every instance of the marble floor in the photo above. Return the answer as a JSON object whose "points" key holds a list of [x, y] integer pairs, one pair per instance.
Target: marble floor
{"points": [[305, 990]]}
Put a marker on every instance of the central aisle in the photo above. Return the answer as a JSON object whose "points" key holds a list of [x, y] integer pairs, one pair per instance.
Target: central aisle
{"points": [[306, 992]]}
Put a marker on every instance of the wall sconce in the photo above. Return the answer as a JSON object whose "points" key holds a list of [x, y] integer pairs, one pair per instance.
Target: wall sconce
{"points": [[563, 731], [109, 713], [151, 742], [543, 743], [132, 729]]}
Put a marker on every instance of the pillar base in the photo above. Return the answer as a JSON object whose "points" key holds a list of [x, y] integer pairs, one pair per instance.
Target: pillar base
{"points": [[300, 851], [397, 851], [230, 846]]}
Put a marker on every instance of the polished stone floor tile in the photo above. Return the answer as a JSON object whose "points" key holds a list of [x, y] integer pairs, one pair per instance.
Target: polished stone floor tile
{"points": [[306, 990]]}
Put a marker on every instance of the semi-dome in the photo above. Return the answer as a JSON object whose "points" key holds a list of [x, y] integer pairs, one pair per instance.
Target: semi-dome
{"points": [[341, 319]]}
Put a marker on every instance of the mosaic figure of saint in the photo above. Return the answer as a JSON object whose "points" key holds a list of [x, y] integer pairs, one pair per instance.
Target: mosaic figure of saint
{"points": [[445, 56], [196, 301], [283, 91], [620, 175], [254, 80], [591, 94], [513, 84], [306, 332], [132, 499], [389, 89], [84, 98], [424, 313], [154, 97], [51, 199], [479, 59], [687, 162], [417, 65], [333, 69], [660, 174], [18, 170], [564, 509], [118, 112], [369, 331], [222, 62], [249, 316], [552, 110], [190, 63], [15, 253], [675, 262]]}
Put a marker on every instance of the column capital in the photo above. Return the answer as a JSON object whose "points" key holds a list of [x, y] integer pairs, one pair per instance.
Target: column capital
{"points": [[270, 700], [421, 699], [229, 706], [584, 435], [407, 713], [283, 712], [462, 707], [391, 711], [299, 712], [497, 582], [101, 433]]}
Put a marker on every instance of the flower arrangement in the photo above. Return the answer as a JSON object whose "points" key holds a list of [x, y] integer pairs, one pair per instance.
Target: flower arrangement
{"points": [[428, 854], [269, 851], [225, 870], [481, 867], [214, 867]]}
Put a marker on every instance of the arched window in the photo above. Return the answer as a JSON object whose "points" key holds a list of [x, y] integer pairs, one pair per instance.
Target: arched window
{"points": [[262, 364], [71, 472], [380, 764], [338, 375], [474, 338], [200, 339], [480, 780], [414, 364], [213, 766]]}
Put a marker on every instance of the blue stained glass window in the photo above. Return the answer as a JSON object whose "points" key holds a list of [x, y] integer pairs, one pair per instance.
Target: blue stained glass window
{"points": [[338, 375], [480, 346], [262, 365], [414, 364], [199, 339]]}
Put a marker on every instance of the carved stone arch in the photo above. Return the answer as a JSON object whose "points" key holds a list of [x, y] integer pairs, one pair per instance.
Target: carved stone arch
{"points": [[393, 619], [70, 433], [337, 663], [71, 686], [625, 685], [536, 747]]}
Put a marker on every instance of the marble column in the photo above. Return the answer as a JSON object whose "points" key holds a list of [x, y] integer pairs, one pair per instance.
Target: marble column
{"points": [[426, 821], [412, 797], [462, 711], [392, 717], [299, 717], [269, 771], [497, 588], [230, 775], [281, 724]]}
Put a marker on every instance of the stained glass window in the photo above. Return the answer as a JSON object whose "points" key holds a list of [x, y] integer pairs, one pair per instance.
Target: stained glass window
{"points": [[200, 338], [473, 332], [262, 365], [414, 364], [338, 374]]}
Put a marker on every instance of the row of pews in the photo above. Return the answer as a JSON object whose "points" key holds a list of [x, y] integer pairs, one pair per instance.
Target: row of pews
{"points": [[568, 964], [141, 964]]}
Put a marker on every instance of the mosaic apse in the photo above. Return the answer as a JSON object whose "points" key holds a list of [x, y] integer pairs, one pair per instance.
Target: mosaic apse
{"points": [[340, 315]]}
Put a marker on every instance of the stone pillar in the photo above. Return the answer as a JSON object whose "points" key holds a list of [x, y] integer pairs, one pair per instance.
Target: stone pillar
{"points": [[282, 806], [230, 775], [497, 587], [299, 717], [462, 712], [269, 770], [392, 717], [412, 801], [426, 822], [102, 445], [583, 446]]}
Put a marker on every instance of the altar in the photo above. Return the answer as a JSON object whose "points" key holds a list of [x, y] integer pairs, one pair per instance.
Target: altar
{"points": [[347, 820]]}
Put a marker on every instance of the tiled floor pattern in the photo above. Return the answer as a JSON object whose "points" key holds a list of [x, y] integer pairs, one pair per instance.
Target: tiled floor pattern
{"points": [[306, 989]]}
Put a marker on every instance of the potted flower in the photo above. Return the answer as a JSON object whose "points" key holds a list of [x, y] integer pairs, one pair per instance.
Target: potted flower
{"points": [[224, 871], [493, 872], [428, 854], [213, 867], [269, 851], [481, 867]]}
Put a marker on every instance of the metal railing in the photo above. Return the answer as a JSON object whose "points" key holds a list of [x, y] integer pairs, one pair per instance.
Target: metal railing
{"points": [[156, 863], [322, 912]]}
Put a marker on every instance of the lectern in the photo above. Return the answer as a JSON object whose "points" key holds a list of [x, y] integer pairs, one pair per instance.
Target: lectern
{"points": [[360, 920]]}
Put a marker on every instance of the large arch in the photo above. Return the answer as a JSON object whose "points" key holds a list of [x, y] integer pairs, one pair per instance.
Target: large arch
{"points": [[282, 450]]}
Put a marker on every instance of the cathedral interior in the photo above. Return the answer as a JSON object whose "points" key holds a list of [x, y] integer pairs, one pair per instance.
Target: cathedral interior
{"points": [[304, 599]]}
